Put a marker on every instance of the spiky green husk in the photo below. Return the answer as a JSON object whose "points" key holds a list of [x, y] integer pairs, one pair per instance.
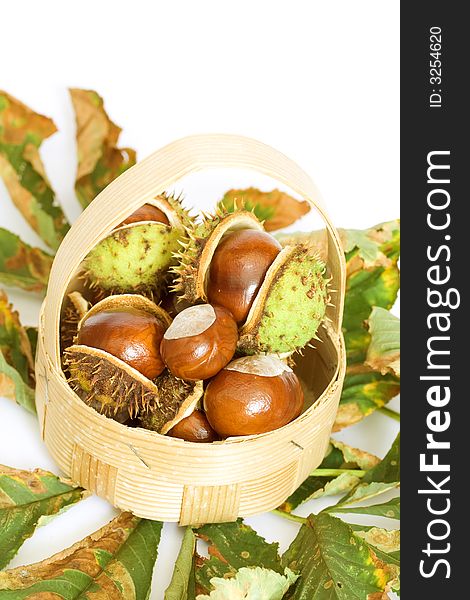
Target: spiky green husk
{"points": [[176, 203], [173, 393], [108, 388], [188, 256], [294, 306], [133, 259]]}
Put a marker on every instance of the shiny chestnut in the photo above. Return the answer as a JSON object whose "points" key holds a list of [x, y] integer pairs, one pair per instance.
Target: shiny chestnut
{"points": [[130, 334], [238, 268], [252, 395], [147, 212], [195, 428], [199, 343]]}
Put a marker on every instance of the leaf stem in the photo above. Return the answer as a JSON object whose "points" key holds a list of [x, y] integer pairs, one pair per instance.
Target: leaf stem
{"points": [[289, 516], [393, 414], [336, 472]]}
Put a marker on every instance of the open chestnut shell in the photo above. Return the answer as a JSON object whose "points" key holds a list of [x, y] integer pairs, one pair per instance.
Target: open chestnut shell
{"points": [[238, 268], [253, 395], [201, 340], [113, 386], [137, 254], [130, 333], [281, 307]]}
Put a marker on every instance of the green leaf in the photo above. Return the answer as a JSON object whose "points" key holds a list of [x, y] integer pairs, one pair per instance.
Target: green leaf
{"points": [[16, 357], [362, 394], [14, 341], [385, 544], [183, 574], [277, 209], [383, 353], [25, 497], [115, 562], [22, 265], [12, 386], [372, 275], [381, 478], [22, 132], [32, 333], [390, 509], [231, 547], [338, 456], [100, 161], [386, 541], [252, 583], [334, 562], [372, 280]]}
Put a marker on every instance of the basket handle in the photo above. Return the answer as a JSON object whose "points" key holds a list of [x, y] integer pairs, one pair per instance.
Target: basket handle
{"points": [[154, 175]]}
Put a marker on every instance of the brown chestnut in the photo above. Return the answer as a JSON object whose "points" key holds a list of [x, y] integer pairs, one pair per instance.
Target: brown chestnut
{"points": [[147, 212], [253, 394], [131, 334], [200, 342], [195, 428], [238, 268]]}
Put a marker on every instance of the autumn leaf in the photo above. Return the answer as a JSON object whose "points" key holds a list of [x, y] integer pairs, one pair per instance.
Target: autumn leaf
{"points": [[372, 280], [252, 583], [384, 541], [25, 497], [115, 562], [381, 478], [334, 562], [182, 584], [100, 161], [22, 265], [16, 357], [14, 341], [383, 353], [362, 394], [32, 333], [12, 386], [338, 456], [390, 509], [231, 547], [277, 209], [385, 544], [22, 132]]}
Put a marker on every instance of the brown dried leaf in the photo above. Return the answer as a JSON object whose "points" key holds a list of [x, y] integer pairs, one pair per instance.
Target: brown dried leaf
{"points": [[277, 209], [100, 161], [115, 562], [22, 132], [22, 265]]}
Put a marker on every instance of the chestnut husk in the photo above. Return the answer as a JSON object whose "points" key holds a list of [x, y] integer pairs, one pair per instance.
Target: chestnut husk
{"points": [[111, 386], [291, 302], [135, 257]]}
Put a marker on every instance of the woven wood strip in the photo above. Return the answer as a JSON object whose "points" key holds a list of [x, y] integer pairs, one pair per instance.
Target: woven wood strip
{"points": [[209, 504], [93, 474]]}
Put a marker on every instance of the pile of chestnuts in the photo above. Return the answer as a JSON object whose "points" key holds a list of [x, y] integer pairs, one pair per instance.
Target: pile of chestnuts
{"points": [[190, 328]]}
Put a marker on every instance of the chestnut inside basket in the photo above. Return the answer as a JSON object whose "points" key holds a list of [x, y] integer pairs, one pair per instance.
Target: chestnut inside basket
{"points": [[156, 476]]}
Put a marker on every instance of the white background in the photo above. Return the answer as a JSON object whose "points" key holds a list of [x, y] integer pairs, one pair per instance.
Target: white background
{"points": [[317, 80]]}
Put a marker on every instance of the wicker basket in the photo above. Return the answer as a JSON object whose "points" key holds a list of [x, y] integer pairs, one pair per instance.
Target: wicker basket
{"points": [[160, 477]]}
